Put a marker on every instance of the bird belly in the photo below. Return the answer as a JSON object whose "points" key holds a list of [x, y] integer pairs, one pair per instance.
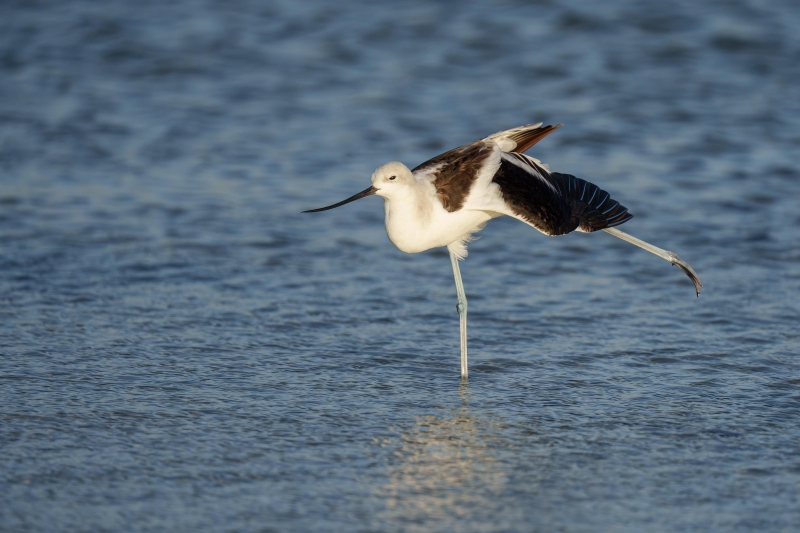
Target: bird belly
{"points": [[414, 234]]}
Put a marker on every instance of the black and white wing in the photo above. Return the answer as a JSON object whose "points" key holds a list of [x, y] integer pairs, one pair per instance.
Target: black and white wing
{"points": [[554, 203]]}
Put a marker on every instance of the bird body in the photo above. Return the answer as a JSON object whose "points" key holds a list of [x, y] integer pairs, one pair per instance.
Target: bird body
{"points": [[445, 200], [415, 218]]}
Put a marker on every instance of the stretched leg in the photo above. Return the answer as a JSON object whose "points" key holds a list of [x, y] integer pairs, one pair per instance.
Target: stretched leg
{"points": [[462, 312], [672, 257]]}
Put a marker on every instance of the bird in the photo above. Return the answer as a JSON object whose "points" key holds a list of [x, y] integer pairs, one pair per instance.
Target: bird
{"points": [[444, 201]]}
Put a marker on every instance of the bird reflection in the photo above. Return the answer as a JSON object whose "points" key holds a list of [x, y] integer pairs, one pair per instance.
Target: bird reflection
{"points": [[443, 467]]}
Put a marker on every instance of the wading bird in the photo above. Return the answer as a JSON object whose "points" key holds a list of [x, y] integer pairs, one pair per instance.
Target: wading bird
{"points": [[443, 201]]}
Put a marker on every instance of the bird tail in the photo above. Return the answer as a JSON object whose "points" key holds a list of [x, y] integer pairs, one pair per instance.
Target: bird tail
{"points": [[591, 206]]}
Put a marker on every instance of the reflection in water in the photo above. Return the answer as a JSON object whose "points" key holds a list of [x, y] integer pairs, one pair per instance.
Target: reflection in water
{"points": [[443, 468]]}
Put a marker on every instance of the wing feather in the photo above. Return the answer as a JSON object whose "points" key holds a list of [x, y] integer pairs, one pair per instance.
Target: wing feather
{"points": [[555, 203], [522, 138]]}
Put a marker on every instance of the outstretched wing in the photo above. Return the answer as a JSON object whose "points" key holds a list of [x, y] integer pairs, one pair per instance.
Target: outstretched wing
{"points": [[554, 203]]}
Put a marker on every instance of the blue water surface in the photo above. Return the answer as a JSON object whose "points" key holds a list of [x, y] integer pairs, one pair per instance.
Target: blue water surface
{"points": [[183, 350]]}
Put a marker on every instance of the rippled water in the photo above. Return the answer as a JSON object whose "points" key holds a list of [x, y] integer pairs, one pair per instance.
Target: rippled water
{"points": [[182, 350]]}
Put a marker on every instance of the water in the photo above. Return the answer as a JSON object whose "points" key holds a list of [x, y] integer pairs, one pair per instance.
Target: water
{"points": [[182, 350]]}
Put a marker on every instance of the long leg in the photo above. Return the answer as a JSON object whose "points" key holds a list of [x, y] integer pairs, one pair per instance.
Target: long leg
{"points": [[461, 306], [672, 257]]}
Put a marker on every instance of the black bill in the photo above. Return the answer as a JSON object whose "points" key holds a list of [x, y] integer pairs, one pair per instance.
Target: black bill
{"points": [[362, 194]]}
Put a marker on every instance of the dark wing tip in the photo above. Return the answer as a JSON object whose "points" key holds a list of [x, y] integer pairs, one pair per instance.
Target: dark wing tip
{"points": [[593, 207], [619, 218]]}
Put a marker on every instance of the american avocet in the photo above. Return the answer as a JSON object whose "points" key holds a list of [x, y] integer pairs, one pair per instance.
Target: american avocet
{"points": [[443, 201]]}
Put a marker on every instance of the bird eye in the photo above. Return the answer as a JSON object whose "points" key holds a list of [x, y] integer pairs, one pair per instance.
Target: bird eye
{"points": [[392, 178]]}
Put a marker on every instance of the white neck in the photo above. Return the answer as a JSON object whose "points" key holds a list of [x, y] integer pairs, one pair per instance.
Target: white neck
{"points": [[408, 217]]}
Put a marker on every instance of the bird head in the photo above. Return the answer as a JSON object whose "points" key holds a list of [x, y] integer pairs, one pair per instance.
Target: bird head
{"points": [[388, 180]]}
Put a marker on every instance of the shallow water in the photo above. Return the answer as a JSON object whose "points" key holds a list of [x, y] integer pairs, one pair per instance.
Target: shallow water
{"points": [[182, 350]]}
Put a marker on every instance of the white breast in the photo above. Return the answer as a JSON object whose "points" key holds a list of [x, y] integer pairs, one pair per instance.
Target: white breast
{"points": [[418, 226]]}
